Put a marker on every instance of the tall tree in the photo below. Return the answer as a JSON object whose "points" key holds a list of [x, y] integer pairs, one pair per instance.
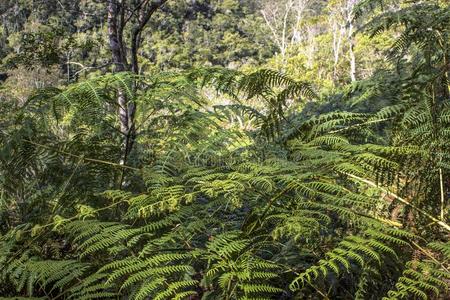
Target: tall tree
{"points": [[343, 29], [128, 18], [284, 21]]}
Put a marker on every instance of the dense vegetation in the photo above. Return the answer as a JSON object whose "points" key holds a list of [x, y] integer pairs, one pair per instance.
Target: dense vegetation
{"points": [[224, 149]]}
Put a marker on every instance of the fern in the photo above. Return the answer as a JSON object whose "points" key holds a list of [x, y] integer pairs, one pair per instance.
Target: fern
{"points": [[254, 199]]}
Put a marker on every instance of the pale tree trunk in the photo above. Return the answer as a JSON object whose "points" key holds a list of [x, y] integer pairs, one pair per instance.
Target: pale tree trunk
{"points": [[337, 40], [284, 23], [284, 41], [277, 37], [115, 42], [351, 38], [120, 12], [120, 65], [311, 46], [299, 7], [351, 53], [343, 29]]}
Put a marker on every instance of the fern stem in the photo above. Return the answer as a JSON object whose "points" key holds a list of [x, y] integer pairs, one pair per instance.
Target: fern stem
{"points": [[404, 201], [360, 125], [319, 291], [77, 216], [429, 255], [441, 181], [98, 161], [272, 201], [66, 184]]}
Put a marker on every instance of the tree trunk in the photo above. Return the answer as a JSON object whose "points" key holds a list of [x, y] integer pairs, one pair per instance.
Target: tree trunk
{"points": [[351, 38], [337, 38], [120, 12], [115, 33], [351, 53], [115, 40]]}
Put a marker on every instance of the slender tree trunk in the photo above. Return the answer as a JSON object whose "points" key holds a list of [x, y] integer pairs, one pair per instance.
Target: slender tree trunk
{"points": [[115, 41], [144, 16], [351, 52], [351, 38], [337, 39], [120, 12], [115, 34]]}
